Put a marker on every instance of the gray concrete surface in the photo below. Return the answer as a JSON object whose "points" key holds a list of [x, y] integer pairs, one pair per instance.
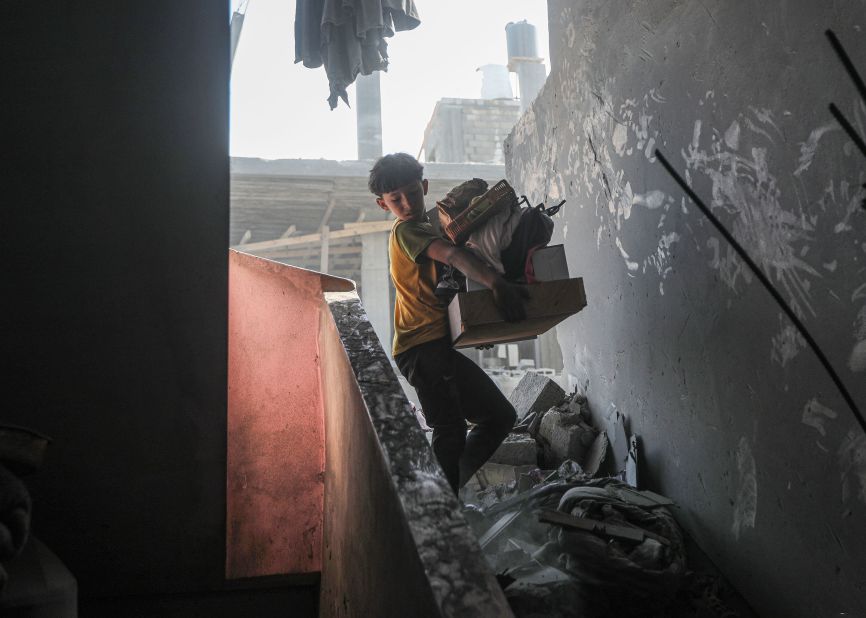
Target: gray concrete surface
{"points": [[738, 421]]}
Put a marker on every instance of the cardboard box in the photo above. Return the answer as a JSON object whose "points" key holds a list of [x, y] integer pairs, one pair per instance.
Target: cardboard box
{"points": [[475, 320], [548, 263]]}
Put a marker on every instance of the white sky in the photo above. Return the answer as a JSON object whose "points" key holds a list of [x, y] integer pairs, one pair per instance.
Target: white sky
{"points": [[279, 109]]}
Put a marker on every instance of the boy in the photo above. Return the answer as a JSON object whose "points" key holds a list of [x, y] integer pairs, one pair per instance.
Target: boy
{"points": [[451, 388]]}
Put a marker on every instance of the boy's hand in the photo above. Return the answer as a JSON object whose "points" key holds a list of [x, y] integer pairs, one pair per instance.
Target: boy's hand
{"points": [[509, 299]]}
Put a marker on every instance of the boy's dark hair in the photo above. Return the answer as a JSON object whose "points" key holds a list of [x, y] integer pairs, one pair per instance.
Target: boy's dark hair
{"points": [[394, 171]]}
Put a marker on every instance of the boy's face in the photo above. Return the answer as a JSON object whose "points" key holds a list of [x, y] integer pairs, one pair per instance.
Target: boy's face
{"points": [[406, 203]]}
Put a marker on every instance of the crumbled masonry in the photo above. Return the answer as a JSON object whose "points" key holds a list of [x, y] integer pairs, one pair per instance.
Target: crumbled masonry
{"points": [[566, 542]]}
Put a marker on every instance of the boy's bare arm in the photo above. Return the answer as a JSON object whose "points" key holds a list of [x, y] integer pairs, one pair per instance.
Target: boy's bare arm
{"points": [[508, 296]]}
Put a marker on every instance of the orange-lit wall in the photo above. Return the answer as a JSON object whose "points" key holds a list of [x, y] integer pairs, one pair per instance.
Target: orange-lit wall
{"points": [[275, 421]]}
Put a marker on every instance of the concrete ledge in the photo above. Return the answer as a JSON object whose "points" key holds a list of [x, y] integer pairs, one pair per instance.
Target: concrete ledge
{"points": [[398, 458]]}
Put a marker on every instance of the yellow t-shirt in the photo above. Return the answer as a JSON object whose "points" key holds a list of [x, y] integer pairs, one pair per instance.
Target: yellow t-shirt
{"points": [[419, 316]]}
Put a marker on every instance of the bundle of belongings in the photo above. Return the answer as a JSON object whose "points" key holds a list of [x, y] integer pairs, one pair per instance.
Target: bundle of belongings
{"points": [[492, 223]]}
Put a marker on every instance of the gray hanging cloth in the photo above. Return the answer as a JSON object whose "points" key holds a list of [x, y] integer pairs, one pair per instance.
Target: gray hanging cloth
{"points": [[348, 37]]}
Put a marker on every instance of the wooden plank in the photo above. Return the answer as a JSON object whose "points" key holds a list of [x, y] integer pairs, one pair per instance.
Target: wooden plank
{"points": [[324, 254], [326, 218], [359, 229], [351, 251], [614, 531]]}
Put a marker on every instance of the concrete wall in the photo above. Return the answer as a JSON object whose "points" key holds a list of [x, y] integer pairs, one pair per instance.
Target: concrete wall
{"points": [[469, 130], [276, 433], [367, 536], [739, 422], [115, 229], [395, 543]]}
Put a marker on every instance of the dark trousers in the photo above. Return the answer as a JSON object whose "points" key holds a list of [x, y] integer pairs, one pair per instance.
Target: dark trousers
{"points": [[452, 389]]}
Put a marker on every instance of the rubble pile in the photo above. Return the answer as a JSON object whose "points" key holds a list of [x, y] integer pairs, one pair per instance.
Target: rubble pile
{"points": [[568, 533]]}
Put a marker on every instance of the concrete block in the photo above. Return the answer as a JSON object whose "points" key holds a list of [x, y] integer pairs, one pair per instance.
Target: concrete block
{"points": [[497, 474], [565, 435], [535, 393], [518, 449]]}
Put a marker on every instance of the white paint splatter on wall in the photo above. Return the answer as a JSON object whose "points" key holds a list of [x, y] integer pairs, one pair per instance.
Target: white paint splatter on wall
{"points": [[746, 501], [652, 199], [619, 139], [815, 414], [632, 265], [743, 187], [808, 148], [857, 358], [732, 136], [787, 343], [852, 463], [595, 143], [857, 361]]}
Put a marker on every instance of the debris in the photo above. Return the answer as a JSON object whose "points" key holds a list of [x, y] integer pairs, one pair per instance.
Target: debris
{"points": [[631, 476], [498, 528], [541, 493], [529, 479], [645, 498], [535, 423], [535, 393], [554, 599], [637, 569], [569, 470], [565, 435], [596, 455], [518, 449], [621, 533], [528, 548], [493, 473], [578, 404], [619, 442], [594, 546]]}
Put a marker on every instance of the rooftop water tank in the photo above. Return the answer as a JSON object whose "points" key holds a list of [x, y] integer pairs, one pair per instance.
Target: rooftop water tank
{"points": [[520, 39]]}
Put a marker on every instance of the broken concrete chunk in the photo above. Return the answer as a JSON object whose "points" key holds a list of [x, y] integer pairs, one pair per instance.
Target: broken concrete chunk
{"points": [[535, 393], [518, 449], [596, 455], [569, 470], [497, 474], [565, 435], [529, 479], [578, 404], [498, 528], [619, 442]]}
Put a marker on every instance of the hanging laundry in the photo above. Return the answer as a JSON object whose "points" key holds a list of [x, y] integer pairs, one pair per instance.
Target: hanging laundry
{"points": [[348, 37]]}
